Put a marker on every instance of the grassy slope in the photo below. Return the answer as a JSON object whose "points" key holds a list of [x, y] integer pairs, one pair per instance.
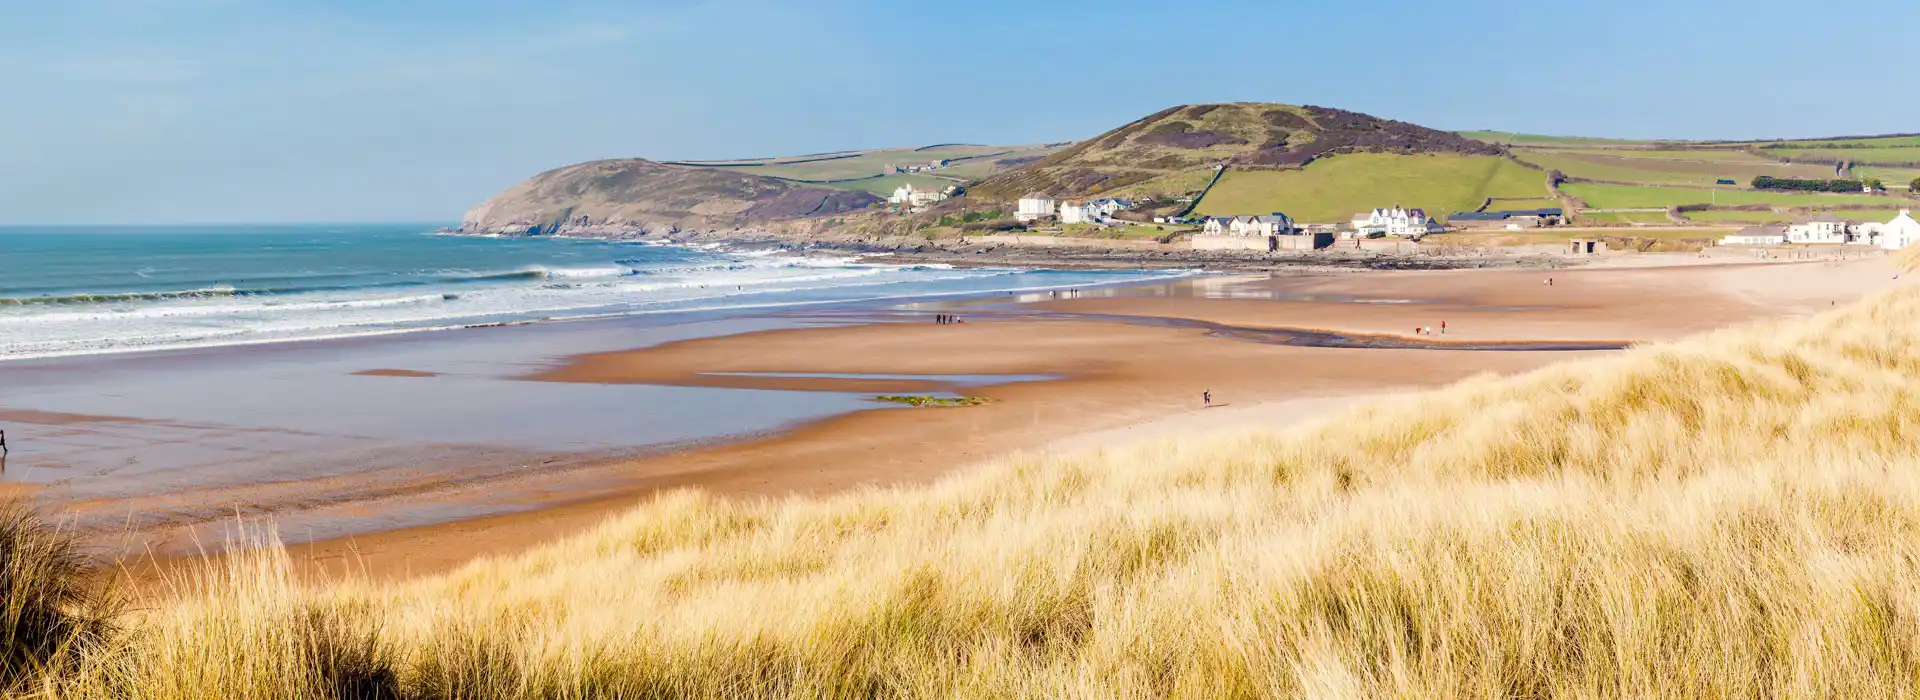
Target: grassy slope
{"points": [[1599, 166], [1512, 139], [1512, 204], [1757, 217], [866, 163], [1628, 197], [1731, 516], [1334, 189], [1907, 154], [1626, 217]]}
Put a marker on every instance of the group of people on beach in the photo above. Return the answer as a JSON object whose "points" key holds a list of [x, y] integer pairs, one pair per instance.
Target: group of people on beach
{"points": [[1428, 330], [946, 319]]}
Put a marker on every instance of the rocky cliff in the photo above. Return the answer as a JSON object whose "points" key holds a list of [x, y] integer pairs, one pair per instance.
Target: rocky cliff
{"points": [[635, 195]]}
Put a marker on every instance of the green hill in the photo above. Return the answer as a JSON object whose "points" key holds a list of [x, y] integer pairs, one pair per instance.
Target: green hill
{"points": [[1176, 151], [635, 194]]}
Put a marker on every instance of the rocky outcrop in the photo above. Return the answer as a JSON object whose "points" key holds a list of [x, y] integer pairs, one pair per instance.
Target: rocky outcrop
{"points": [[634, 196]]}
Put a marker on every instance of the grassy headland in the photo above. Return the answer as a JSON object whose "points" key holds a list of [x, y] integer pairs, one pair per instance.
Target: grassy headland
{"points": [[1727, 516]]}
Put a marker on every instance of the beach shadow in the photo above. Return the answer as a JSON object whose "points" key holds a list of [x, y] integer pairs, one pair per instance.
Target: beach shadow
{"points": [[1217, 405]]}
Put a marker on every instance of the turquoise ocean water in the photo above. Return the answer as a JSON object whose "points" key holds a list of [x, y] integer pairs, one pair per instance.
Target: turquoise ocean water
{"points": [[86, 290]]}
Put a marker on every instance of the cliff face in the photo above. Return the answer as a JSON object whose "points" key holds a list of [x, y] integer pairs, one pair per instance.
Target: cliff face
{"points": [[635, 195]]}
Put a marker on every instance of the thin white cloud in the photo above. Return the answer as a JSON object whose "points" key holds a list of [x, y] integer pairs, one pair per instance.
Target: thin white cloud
{"points": [[130, 69]]}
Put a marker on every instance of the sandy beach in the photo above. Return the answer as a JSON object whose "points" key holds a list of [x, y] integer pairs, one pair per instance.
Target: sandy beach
{"points": [[1059, 370]]}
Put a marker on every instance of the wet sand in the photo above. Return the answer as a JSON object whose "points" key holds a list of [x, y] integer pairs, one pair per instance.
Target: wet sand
{"points": [[1087, 369]]}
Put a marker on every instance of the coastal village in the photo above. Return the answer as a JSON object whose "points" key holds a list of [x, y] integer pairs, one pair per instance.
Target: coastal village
{"points": [[1276, 231]]}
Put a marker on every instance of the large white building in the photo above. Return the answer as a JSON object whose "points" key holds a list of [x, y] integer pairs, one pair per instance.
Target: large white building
{"points": [[1901, 232], [1824, 229], [906, 195], [1396, 221], [1034, 206]]}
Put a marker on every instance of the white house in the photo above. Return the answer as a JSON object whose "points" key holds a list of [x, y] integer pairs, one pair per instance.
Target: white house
{"points": [[1034, 206], [1396, 222], [1756, 235], [1865, 234], [1076, 212], [1901, 232], [1275, 224], [1109, 206], [1824, 229], [906, 195]]}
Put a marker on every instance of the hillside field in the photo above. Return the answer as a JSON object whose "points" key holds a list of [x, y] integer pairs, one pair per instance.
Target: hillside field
{"points": [[1633, 197], [1333, 189], [853, 165], [1506, 138], [1641, 169]]}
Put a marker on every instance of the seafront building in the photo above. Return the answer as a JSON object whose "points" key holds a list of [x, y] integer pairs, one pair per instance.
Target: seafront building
{"points": [[1507, 219], [1074, 212], [1034, 206], [1275, 224], [1757, 235], [1901, 232], [1396, 221], [1819, 230]]}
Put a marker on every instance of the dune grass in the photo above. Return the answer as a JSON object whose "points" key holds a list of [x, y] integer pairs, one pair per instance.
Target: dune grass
{"points": [[1735, 515], [55, 613]]}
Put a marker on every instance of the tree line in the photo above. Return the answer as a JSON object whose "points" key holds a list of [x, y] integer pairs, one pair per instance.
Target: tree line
{"points": [[1769, 182]]}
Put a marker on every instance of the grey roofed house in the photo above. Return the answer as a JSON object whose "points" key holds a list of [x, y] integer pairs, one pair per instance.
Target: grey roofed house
{"points": [[1763, 230]]}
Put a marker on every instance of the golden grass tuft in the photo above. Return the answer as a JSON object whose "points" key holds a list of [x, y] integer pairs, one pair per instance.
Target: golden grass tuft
{"points": [[1736, 515]]}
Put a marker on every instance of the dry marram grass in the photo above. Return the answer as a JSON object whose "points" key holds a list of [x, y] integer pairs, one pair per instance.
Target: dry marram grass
{"points": [[1731, 516]]}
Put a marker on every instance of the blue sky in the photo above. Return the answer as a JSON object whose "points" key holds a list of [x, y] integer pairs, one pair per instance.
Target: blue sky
{"points": [[123, 111]]}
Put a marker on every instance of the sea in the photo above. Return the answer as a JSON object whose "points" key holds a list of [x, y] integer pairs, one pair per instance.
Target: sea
{"points": [[77, 290]]}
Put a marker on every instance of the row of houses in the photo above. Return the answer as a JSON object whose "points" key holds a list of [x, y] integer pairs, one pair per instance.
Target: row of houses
{"points": [[1389, 221], [1899, 233], [1036, 206], [1275, 224]]}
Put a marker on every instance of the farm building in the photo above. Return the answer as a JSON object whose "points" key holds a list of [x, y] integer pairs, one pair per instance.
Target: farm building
{"points": [[1528, 218]]}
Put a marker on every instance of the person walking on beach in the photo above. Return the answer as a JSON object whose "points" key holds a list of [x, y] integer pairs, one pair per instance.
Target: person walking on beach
{"points": [[3, 442], [1206, 399], [1443, 328]]}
